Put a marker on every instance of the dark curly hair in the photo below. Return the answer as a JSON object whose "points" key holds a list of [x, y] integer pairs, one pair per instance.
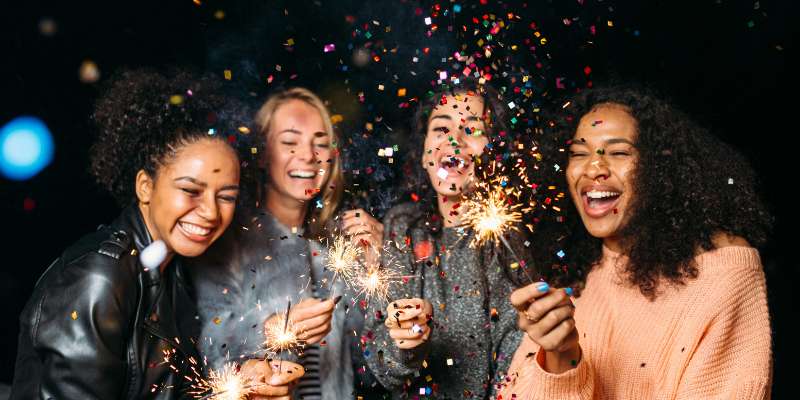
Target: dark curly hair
{"points": [[689, 186], [144, 117]]}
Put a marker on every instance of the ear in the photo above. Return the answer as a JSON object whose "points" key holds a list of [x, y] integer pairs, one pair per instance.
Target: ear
{"points": [[144, 187]]}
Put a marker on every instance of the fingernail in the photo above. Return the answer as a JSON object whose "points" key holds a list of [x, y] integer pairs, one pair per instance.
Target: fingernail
{"points": [[542, 287], [569, 291], [337, 299]]}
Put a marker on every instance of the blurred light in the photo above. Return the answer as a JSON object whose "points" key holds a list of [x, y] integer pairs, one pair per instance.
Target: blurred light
{"points": [[26, 147], [88, 72]]}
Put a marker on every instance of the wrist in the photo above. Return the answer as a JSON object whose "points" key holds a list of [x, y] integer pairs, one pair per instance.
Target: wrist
{"points": [[558, 362]]}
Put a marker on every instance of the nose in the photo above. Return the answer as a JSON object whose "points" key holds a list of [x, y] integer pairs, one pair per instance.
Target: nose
{"points": [[306, 153], [208, 208], [598, 167]]}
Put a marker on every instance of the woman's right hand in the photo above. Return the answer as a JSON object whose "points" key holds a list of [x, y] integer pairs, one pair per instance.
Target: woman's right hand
{"points": [[407, 320], [270, 379], [546, 315], [310, 319]]}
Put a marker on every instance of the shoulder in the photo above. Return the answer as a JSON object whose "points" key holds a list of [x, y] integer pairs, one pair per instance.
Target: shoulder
{"points": [[401, 216]]}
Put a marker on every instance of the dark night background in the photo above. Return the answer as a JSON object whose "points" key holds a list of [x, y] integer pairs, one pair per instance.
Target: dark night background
{"points": [[723, 61]]}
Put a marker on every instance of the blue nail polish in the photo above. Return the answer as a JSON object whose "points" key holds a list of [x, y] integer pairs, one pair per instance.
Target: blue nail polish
{"points": [[542, 286], [569, 291]]}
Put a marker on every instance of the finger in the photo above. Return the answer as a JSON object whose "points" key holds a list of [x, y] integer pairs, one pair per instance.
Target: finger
{"points": [[524, 295], [413, 333], [269, 391], [284, 373], [315, 339], [307, 310], [559, 335], [549, 321], [312, 324], [323, 330], [543, 305], [406, 309]]}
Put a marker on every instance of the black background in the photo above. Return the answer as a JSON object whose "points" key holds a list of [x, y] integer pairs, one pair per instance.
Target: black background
{"points": [[723, 61]]}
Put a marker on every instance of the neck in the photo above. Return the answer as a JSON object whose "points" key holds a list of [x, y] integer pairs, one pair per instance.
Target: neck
{"points": [[289, 212], [613, 243], [446, 204]]}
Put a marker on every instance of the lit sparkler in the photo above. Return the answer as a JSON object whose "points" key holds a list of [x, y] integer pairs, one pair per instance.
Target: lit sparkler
{"points": [[225, 384], [343, 258], [281, 335]]}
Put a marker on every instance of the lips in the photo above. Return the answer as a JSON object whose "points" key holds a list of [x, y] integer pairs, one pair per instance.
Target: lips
{"points": [[599, 201], [194, 232]]}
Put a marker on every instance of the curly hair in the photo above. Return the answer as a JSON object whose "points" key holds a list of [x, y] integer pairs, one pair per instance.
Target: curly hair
{"points": [[144, 117], [689, 187]]}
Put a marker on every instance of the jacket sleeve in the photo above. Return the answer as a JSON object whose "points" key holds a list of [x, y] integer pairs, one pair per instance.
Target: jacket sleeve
{"points": [[79, 325]]}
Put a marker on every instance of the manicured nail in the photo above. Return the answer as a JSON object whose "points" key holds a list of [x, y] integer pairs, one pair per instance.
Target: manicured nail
{"points": [[569, 291], [542, 287], [337, 299]]}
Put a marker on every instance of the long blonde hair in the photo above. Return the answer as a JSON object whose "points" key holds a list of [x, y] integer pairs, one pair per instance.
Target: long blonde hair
{"points": [[317, 220]]}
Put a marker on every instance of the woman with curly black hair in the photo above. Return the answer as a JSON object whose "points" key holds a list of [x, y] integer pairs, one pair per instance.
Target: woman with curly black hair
{"points": [[673, 301], [448, 329], [112, 318]]}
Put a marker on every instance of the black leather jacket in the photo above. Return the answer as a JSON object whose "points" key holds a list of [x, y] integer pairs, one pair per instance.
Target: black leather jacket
{"points": [[98, 325]]}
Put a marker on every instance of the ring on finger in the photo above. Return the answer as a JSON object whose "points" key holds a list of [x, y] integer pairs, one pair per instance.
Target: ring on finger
{"points": [[529, 318]]}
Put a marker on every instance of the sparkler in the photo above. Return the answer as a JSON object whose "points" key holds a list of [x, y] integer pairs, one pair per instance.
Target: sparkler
{"points": [[280, 334], [342, 260], [225, 384], [374, 283], [491, 215]]}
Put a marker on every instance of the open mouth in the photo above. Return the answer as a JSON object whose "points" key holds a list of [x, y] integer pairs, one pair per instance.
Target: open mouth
{"points": [[302, 174], [598, 203], [195, 232]]}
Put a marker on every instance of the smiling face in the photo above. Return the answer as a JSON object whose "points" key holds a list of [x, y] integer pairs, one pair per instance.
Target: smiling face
{"points": [[299, 153], [602, 159], [192, 199], [455, 134]]}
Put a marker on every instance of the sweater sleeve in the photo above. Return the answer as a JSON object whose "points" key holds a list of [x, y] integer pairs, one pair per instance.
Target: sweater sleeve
{"points": [[732, 359], [391, 366], [528, 380]]}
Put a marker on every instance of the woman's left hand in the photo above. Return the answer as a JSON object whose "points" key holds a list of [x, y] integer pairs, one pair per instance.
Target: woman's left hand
{"points": [[270, 379], [366, 231]]}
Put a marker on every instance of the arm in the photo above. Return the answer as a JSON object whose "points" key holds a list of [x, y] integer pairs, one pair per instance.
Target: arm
{"points": [[733, 358], [78, 330]]}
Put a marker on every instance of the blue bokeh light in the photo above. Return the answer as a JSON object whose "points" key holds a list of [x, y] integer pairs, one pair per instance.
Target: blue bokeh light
{"points": [[26, 147]]}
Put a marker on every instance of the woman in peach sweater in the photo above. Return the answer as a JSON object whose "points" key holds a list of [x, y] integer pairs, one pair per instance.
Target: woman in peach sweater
{"points": [[673, 299]]}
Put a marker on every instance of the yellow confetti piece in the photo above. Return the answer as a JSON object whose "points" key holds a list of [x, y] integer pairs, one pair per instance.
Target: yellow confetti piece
{"points": [[175, 99], [219, 14], [290, 42], [253, 150], [217, 320], [74, 315], [424, 363], [228, 74], [428, 378], [514, 265], [336, 118], [610, 23], [245, 130], [401, 92]]}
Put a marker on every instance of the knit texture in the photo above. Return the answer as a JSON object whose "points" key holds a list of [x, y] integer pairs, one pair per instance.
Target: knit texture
{"points": [[707, 339]]}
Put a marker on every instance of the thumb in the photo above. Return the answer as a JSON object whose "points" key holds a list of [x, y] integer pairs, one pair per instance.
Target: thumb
{"points": [[283, 373]]}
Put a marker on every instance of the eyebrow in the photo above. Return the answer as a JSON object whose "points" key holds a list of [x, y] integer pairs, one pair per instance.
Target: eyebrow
{"points": [[442, 116], [291, 130], [203, 184], [606, 143]]}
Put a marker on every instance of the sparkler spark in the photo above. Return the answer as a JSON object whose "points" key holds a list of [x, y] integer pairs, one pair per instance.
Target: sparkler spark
{"points": [[374, 283], [343, 258], [225, 384], [281, 336], [490, 214]]}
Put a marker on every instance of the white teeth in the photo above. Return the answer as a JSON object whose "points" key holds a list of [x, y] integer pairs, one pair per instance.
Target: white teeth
{"points": [[453, 161], [595, 194], [302, 174], [194, 229]]}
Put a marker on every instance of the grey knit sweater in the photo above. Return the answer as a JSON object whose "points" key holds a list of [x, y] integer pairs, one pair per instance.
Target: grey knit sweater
{"points": [[250, 276], [474, 325]]}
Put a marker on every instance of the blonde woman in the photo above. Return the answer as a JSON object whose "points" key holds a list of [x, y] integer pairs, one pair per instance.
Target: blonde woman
{"points": [[279, 254]]}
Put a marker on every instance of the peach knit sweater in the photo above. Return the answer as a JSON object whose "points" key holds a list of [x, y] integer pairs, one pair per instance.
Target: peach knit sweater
{"points": [[707, 339]]}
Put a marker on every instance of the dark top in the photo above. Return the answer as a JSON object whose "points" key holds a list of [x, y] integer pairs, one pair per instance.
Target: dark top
{"points": [[98, 324]]}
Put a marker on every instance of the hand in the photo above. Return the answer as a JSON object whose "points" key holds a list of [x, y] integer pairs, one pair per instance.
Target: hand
{"points": [[407, 320], [546, 315], [310, 319], [366, 231], [270, 379]]}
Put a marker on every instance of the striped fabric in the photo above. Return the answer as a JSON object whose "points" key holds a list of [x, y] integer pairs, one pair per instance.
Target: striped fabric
{"points": [[309, 387]]}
